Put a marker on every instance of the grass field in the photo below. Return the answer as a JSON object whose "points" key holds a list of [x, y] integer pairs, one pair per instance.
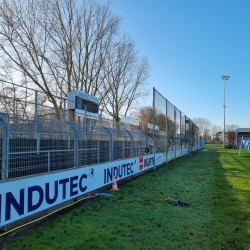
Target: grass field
{"points": [[140, 216]]}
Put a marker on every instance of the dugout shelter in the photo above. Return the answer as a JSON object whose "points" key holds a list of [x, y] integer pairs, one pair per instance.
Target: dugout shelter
{"points": [[245, 132]]}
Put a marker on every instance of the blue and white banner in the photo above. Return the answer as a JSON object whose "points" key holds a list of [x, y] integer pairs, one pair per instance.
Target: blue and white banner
{"points": [[246, 143], [183, 151], [23, 197]]}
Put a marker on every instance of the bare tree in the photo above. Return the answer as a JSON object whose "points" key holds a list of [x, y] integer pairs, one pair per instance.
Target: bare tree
{"points": [[13, 100], [213, 131], [230, 127], [145, 116], [230, 136], [203, 124], [58, 45], [126, 78]]}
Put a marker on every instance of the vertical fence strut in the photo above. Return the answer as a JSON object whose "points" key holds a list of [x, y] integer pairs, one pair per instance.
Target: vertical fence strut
{"points": [[85, 122], [167, 142], [5, 149], [38, 143], [76, 140], [43, 135], [146, 139], [36, 105], [101, 122], [64, 118], [154, 123], [48, 161], [175, 137], [131, 142], [185, 135], [181, 133], [110, 143]]}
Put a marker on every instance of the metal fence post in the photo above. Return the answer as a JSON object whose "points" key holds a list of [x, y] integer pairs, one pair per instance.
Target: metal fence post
{"points": [[110, 143], [78, 125], [48, 161], [5, 149], [132, 146], [131, 142], [85, 121], [64, 110], [174, 134], [69, 144], [146, 139], [36, 104], [64, 118], [112, 138], [101, 118], [38, 143], [167, 129], [101, 123], [92, 130], [154, 124], [112, 146], [185, 135], [76, 141], [124, 144], [98, 155]]}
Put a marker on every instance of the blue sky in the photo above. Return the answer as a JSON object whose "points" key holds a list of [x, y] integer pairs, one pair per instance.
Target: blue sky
{"points": [[190, 44]]}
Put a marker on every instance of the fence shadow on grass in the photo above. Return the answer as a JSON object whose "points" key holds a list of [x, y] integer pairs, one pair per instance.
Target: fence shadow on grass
{"points": [[229, 225]]}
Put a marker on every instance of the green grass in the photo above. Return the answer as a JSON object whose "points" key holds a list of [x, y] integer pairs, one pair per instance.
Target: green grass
{"points": [[140, 216]]}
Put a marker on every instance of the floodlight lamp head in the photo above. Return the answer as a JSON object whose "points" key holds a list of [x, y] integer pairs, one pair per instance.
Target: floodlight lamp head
{"points": [[225, 77]]}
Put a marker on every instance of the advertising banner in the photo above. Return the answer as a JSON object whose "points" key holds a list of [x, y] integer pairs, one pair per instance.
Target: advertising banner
{"points": [[129, 120], [23, 197]]}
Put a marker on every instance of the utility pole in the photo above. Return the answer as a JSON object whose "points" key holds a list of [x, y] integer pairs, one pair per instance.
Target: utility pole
{"points": [[224, 78]]}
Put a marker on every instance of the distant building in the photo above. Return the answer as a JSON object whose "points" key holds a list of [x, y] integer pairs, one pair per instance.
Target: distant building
{"points": [[208, 139], [230, 137], [242, 132], [221, 137]]}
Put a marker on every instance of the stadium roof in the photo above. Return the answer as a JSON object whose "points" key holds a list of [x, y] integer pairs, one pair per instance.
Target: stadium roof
{"points": [[243, 130]]}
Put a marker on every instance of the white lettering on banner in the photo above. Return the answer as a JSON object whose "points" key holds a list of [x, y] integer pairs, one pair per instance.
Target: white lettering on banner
{"points": [[119, 171], [40, 192], [146, 162], [158, 159]]}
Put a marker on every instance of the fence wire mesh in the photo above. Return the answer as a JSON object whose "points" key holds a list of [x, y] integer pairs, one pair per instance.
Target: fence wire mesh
{"points": [[174, 133], [38, 134]]}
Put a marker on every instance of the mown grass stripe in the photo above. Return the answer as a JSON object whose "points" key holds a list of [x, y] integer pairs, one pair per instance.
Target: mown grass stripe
{"points": [[140, 216]]}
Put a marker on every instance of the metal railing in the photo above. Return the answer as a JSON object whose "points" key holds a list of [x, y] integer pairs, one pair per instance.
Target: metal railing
{"points": [[36, 137], [174, 134], [50, 145], [29, 102]]}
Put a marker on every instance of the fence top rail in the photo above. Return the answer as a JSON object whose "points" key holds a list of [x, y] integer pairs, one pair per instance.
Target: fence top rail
{"points": [[52, 151], [103, 114], [36, 133]]}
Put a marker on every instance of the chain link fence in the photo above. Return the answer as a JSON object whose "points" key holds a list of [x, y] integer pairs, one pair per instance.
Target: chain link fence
{"points": [[38, 134], [174, 134]]}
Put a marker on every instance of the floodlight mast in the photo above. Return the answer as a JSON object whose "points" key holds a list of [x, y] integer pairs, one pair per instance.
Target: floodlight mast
{"points": [[224, 78]]}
